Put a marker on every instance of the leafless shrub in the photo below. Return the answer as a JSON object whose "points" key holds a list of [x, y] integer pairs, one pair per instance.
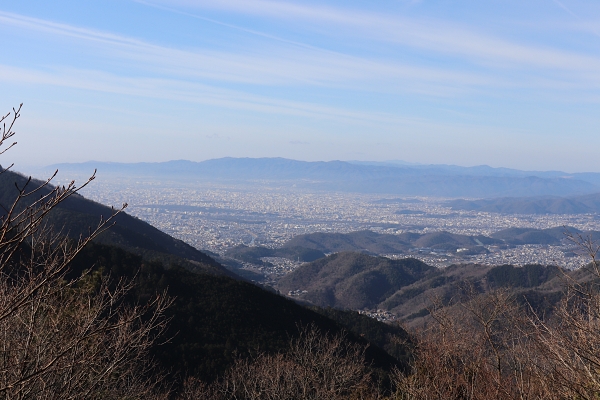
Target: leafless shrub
{"points": [[480, 349], [569, 342], [491, 348], [317, 366], [60, 338]]}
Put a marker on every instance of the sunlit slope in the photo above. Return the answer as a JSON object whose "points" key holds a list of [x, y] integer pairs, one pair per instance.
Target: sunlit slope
{"points": [[353, 280], [409, 288]]}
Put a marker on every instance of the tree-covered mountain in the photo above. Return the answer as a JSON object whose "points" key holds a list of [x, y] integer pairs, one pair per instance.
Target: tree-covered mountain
{"points": [[312, 246], [408, 287], [549, 236], [370, 242], [354, 281], [215, 320], [378, 243]]}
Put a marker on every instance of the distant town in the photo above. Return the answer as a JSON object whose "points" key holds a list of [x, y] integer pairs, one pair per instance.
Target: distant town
{"points": [[217, 218]]}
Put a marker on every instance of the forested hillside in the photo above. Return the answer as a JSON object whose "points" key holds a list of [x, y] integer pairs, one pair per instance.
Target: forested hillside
{"points": [[352, 280], [129, 312], [216, 319], [584, 204], [407, 287]]}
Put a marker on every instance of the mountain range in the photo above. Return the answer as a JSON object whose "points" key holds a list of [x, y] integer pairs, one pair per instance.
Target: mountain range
{"points": [[379, 243], [313, 246], [216, 317], [584, 204], [353, 281], [408, 287], [382, 178]]}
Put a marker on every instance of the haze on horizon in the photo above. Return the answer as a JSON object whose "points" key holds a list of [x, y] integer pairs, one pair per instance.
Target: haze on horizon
{"points": [[507, 84]]}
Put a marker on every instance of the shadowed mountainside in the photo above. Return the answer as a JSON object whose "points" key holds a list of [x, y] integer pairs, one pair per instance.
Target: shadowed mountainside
{"points": [[407, 287], [538, 286], [216, 320]]}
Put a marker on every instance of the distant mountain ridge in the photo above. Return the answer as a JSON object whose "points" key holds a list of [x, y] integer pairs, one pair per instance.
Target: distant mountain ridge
{"points": [[585, 204], [389, 178]]}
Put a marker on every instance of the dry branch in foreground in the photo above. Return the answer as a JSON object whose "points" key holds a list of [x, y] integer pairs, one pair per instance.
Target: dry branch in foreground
{"points": [[65, 338]]}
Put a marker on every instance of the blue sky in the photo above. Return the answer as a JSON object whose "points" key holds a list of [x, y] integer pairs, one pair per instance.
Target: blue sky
{"points": [[504, 83]]}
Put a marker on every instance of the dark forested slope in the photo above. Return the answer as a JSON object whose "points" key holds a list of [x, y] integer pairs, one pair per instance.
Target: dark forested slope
{"points": [[217, 319]]}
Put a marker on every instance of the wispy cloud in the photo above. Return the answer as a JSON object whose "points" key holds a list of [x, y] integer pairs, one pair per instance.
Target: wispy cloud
{"points": [[288, 67], [166, 89], [561, 5], [298, 74], [308, 65], [283, 67], [589, 27], [434, 35]]}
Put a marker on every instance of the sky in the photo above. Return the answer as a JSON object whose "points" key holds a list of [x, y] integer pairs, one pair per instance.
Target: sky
{"points": [[506, 83]]}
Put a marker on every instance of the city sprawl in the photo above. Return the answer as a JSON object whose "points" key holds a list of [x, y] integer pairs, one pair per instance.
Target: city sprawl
{"points": [[217, 218]]}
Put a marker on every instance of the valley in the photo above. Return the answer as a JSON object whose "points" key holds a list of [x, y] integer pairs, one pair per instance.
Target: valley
{"points": [[382, 255], [370, 265], [218, 218]]}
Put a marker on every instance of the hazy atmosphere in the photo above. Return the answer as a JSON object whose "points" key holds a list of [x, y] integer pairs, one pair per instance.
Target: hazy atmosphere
{"points": [[300, 199], [503, 83]]}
